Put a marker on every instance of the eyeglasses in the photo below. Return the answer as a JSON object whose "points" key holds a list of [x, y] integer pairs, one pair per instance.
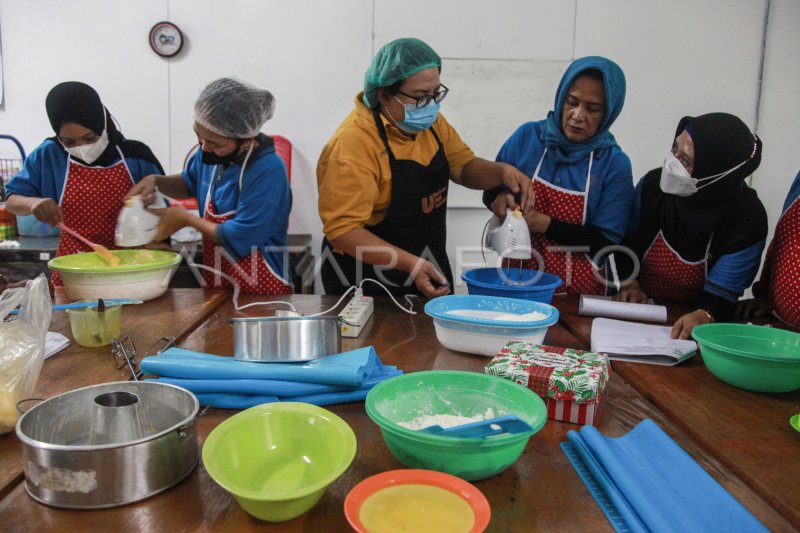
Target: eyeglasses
{"points": [[422, 101]]}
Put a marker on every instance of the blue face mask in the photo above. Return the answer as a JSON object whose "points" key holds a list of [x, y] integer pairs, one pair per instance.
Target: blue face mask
{"points": [[418, 119]]}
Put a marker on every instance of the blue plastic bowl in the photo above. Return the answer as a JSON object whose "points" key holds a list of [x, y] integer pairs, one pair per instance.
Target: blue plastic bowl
{"points": [[524, 284], [30, 226]]}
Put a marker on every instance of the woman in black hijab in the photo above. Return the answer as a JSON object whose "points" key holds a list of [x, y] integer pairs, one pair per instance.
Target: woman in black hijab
{"points": [[80, 176], [696, 227]]}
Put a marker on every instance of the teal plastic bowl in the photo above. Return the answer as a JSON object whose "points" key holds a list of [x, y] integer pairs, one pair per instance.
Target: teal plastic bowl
{"points": [[441, 392], [754, 358]]}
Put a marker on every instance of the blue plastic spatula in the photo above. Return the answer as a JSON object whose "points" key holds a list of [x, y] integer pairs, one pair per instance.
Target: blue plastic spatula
{"points": [[482, 428], [89, 303]]}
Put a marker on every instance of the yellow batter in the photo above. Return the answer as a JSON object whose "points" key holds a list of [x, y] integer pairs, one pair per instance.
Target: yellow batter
{"points": [[417, 509]]}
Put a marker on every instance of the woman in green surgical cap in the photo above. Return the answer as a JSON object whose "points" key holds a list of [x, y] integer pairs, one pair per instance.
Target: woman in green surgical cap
{"points": [[383, 179]]}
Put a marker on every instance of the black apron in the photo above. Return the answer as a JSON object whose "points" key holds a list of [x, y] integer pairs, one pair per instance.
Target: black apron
{"points": [[416, 220]]}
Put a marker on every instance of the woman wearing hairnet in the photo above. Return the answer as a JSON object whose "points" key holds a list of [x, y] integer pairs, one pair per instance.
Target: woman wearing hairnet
{"points": [[383, 178], [79, 176], [582, 179], [241, 186]]}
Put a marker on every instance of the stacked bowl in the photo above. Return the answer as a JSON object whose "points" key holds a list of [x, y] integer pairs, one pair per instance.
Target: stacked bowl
{"points": [[484, 324]]}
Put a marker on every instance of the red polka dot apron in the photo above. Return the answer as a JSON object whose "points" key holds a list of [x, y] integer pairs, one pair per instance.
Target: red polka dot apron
{"points": [[252, 273], [580, 275], [665, 275], [784, 289], [91, 202]]}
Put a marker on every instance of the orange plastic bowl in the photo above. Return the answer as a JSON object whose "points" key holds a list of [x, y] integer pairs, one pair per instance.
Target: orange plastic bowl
{"points": [[474, 497]]}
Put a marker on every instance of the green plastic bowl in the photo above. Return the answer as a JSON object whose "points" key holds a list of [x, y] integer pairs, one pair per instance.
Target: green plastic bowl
{"points": [[278, 459], [754, 358], [440, 392]]}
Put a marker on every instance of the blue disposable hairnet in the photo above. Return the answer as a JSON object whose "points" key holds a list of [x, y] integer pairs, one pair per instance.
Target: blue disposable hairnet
{"points": [[397, 61], [234, 109]]}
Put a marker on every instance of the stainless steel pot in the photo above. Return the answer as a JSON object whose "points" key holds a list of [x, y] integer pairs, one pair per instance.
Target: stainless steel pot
{"points": [[284, 340], [108, 445]]}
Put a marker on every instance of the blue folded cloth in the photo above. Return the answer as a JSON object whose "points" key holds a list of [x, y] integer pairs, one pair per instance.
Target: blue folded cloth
{"points": [[349, 368], [245, 401], [272, 387], [653, 484]]}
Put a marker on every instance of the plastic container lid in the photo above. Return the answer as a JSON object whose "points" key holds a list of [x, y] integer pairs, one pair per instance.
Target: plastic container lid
{"points": [[443, 306]]}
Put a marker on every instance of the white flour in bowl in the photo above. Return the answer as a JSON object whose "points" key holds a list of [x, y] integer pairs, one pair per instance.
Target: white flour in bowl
{"points": [[445, 421], [498, 315]]}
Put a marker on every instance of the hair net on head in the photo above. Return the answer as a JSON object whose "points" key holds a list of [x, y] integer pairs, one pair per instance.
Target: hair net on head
{"points": [[233, 109], [397, 61]]}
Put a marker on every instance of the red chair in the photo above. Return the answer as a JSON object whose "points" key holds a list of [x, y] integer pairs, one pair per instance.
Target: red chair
{"points": [[283, 147]]}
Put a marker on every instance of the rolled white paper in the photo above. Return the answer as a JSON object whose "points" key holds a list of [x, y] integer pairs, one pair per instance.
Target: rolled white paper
{"points": [[602, 306]]}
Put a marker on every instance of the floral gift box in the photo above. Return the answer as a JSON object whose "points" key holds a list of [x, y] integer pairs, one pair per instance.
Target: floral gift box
{"points": [[570, 381]]}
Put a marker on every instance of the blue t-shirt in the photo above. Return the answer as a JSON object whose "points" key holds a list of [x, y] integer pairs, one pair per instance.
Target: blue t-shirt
{"points": [[262, 205], [45, 171], [611, 186]]}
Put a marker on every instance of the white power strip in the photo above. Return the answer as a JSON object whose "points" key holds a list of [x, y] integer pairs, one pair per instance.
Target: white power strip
{"points": [[356, 314]]}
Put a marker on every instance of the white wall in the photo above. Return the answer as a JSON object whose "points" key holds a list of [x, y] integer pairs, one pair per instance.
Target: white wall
{"points": [[501, 60]]}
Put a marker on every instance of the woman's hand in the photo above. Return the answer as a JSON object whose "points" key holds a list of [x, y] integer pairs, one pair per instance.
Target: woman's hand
{"points": [[518, 183], [172, 219], [537, 221], [632, 293], [48, 211], [757, 307], [501, 203], [146, 189], [430, 281], [684, 325]]}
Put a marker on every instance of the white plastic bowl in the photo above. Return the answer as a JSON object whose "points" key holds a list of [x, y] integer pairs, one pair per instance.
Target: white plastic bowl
{"points": [[141, 281], [487, 336]]}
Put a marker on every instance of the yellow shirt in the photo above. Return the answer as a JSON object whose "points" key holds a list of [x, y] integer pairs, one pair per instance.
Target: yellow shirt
{"points": [[353, 176]]}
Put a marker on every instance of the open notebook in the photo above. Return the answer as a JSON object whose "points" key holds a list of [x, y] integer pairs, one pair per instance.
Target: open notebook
{"points": [[639, 343]]}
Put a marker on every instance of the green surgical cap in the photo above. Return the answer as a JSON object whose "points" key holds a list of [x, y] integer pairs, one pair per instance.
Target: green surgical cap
{"points": [[397, 61]]}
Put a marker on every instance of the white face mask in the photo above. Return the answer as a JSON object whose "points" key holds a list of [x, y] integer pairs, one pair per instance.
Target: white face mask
{"points": [[90, 152], [676, 180]]}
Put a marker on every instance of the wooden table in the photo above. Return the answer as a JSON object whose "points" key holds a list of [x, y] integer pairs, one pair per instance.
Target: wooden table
{"points": [[176, 313], [746, 431], [539, 492]]}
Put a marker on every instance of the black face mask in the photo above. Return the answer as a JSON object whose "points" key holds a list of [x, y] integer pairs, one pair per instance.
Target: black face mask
{"points": [[210, 158]]}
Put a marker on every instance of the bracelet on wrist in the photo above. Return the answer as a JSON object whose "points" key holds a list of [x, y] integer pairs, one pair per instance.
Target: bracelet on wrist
{"points": [[709, 316]]}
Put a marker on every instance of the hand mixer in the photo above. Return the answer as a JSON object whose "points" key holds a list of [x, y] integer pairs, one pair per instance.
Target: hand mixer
{"points": [[136, 226], [510, 237]]}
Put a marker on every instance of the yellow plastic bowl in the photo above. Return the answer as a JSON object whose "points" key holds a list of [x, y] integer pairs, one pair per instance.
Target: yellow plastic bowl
{"points": [[278, 459], [91, 328]]}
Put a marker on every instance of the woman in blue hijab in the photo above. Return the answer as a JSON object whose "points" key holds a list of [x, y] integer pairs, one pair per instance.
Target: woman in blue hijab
{"points": [[581, 177]]}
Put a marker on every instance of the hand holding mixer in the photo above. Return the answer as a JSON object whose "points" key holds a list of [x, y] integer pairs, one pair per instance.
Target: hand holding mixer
{"points": [[510, 237], [136, 226]]}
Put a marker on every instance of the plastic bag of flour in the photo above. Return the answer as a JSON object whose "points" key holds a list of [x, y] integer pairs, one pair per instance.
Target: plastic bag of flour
{"points": [[21, 345]]}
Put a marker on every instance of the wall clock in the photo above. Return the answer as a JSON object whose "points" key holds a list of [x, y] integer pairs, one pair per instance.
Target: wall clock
{"points": [[166, 39]]}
